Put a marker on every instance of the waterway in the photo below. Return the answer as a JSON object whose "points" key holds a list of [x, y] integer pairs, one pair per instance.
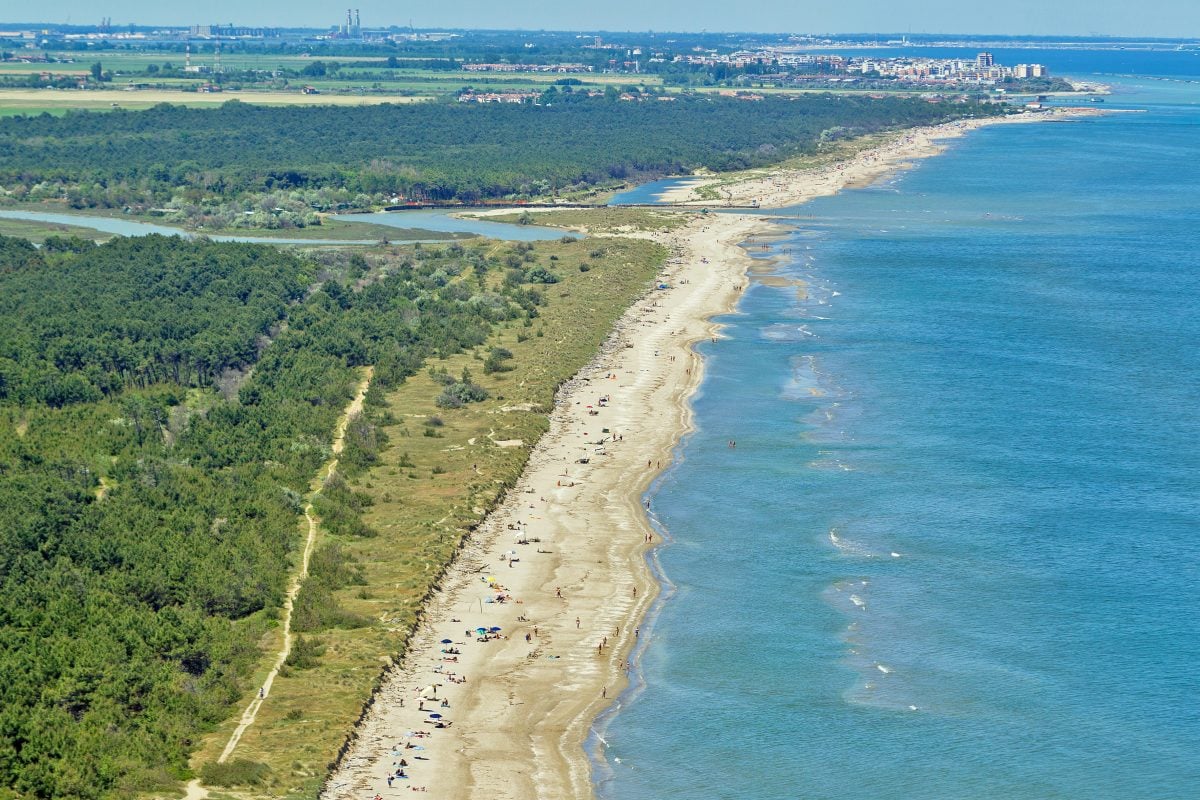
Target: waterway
{"points": [[428, 220]]}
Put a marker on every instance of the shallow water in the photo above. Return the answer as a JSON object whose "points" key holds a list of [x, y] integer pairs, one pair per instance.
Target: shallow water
{"points": [[954, 553]]}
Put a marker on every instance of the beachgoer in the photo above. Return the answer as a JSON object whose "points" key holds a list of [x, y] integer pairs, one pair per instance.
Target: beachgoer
{"points": [[577, 622]]}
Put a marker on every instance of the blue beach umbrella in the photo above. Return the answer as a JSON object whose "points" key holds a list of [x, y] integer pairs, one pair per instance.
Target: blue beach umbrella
{"points": [[496, 630], [447, 641], [435, 716]]}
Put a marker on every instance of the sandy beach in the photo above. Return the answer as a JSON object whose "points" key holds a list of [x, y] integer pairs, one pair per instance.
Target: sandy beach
{"points": [[528, 639], [558, 568]]}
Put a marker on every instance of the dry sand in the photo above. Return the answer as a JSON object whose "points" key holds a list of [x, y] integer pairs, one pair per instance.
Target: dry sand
{"points": [[520, 719]]}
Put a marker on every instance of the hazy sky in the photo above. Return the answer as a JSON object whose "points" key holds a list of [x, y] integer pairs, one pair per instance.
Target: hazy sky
{"points": [[1076, 17]]}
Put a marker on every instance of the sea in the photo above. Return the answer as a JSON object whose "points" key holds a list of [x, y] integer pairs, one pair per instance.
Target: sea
{"points": [[936, 535]]}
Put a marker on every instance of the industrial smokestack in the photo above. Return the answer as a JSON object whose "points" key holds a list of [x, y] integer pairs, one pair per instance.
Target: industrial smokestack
{"points": [[357, 22]]}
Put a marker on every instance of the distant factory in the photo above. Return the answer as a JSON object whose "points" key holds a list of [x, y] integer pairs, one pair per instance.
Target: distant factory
{"points": [[352, 29]]}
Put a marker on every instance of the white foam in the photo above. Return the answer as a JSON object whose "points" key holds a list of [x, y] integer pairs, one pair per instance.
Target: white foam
{"points": [[843, 545], [882, 669], [858, 601]]}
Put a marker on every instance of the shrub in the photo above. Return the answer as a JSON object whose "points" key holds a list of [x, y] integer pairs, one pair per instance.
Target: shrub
{"points": [[495, 360], [540, 274], [458, 395]]}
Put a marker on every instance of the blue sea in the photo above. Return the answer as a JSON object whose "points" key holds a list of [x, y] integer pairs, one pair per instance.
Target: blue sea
{"points": [[955, 552]]}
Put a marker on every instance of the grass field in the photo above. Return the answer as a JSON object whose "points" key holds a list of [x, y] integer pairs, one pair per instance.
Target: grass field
{"points": [[601, 220], [60, 100], [345, 231], [38, 231]]}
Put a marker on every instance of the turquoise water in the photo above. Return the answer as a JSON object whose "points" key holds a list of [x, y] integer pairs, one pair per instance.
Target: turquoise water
{"points": [[956, 550]]}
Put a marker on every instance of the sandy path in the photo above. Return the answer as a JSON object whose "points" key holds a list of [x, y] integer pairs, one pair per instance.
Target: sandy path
{"points": [[195, 790], [518, 721]]}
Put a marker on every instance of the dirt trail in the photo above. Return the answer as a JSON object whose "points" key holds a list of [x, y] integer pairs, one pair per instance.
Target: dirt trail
{"points": [[195, 790]]}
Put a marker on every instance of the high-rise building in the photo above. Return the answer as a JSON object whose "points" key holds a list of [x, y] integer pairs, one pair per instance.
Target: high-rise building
{"points": [[984, 60]]}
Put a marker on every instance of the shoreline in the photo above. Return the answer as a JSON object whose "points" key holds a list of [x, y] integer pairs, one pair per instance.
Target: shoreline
{"points": [[524, 723], [781, 187], [519, 723]]}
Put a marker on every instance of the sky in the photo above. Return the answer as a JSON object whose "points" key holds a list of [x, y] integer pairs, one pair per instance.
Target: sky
{"points": [[1172, 18]]}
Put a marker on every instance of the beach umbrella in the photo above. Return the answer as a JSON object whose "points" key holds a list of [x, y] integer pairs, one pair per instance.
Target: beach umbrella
{"points": [[495, 630], [435, 716], [447, 641]]}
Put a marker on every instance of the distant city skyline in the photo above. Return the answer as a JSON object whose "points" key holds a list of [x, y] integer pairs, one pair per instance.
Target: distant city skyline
{"points": [[1149, 18]]}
